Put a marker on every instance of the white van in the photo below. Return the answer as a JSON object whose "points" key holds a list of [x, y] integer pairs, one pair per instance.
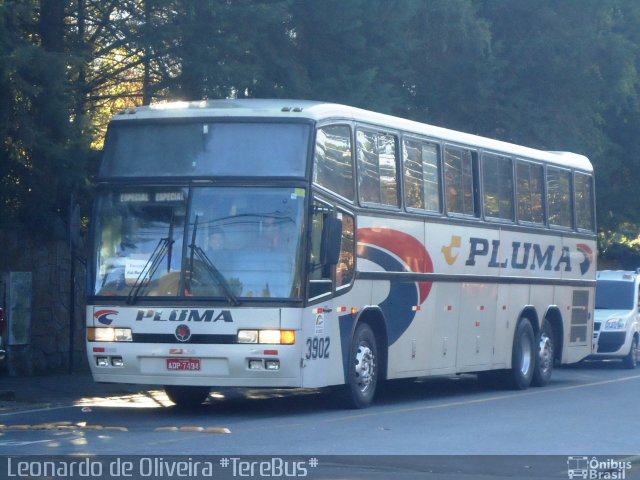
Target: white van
{"points": [[616, 328]]}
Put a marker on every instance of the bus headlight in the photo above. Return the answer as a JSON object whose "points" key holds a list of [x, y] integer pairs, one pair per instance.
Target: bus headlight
{"points": [[109, 334], [270, 337]]}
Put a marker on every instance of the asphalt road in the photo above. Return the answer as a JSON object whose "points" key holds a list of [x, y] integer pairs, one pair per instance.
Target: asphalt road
{"points": [[587, 411]]}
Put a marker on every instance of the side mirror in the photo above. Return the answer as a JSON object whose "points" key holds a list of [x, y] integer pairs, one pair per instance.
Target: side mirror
{"points": [[331, 241]]}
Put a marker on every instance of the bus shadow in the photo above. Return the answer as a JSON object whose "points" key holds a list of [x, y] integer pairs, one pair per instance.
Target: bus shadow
{"points": [[257, 403], [609, 364]]}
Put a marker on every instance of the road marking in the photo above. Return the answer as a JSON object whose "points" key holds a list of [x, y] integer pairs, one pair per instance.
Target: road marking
{"points": [[54, 426], [14, 443], [37, 410], [193, 429]]}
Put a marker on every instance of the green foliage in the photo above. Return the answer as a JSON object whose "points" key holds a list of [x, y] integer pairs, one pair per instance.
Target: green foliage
{"points": [[547, 74], [41, 158], [619, 250]]}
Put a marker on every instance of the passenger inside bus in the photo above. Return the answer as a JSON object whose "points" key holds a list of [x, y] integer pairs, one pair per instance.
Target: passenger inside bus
{"points": [[274, 238], [216, 243]]}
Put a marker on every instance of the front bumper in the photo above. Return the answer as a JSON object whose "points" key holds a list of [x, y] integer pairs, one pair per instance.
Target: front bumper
{"points": [[220, 365], [610, 344]]}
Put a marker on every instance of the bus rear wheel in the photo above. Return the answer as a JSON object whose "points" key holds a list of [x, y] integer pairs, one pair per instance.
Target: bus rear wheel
{"points": [[363, 368], [523, 357], [545, 357], [186, 396]]}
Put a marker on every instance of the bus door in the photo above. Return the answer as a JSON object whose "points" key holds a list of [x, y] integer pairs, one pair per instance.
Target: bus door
{"points": [[329, 275]]}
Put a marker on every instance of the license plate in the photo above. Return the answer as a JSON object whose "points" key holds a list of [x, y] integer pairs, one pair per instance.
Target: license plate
{"points": [[188, 364]]}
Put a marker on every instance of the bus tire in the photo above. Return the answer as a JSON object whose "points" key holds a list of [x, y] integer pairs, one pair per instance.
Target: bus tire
{"points": [[631, 360], [545, 356], [186, 396], [523, 356], [363, 368]]}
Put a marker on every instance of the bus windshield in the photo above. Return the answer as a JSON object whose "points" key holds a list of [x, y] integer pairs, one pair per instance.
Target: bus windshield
{"points": [[231, 243]]}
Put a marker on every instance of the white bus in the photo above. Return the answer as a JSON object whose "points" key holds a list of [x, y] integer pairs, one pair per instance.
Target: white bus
{"points": [[272, 243]]}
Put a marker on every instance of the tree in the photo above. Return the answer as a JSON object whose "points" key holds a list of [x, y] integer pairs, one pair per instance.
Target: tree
{"points": [[41, 160], [448, 68], [345, 51]]}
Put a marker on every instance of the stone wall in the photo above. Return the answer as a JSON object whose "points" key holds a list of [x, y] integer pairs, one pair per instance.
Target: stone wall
{"points": [[49, 261]]}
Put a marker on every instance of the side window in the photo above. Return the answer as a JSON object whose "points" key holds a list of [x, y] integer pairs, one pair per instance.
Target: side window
{"points": [[559, 198], [377, 168], [320, 275], [346, 266], [497, 186], [459, 181], [529, 192], [584, 201], [333, 160], [421, 175]]}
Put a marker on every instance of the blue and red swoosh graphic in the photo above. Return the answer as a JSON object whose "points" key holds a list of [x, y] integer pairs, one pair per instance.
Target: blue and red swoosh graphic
{"points": [[104, 316], [396, 251]]}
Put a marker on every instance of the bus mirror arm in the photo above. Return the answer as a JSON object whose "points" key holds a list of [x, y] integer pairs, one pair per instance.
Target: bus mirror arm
{"points": [[331, 241]]}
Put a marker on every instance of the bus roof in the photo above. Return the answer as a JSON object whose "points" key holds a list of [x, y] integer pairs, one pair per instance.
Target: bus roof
{"points": [[322, 111]]}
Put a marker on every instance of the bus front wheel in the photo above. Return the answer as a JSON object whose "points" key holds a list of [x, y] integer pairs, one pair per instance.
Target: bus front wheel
{"points": [[363, 368], [523, 357], [186, 396]]}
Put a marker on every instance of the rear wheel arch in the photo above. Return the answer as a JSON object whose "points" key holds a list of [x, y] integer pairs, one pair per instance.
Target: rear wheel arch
{"points": [[554, 317], [529, 314]]}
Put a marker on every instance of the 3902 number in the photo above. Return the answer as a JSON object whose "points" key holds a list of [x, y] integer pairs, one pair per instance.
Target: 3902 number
{"points": [[317, 347]]}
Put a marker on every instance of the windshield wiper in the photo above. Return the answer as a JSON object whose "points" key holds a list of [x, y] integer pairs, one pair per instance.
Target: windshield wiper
{"points": [[149, 269], [214, 273], [210, 267]]}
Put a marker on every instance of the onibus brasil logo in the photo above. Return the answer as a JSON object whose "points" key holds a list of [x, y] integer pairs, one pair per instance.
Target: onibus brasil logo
{"points": [[593, 468]]}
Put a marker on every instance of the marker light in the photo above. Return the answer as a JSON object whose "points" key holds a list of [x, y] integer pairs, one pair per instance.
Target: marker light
{"points": [[287, 337], [272, 364]]}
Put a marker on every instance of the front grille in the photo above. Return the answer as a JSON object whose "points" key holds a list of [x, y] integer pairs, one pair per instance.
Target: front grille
{"points": [[196, 338]]}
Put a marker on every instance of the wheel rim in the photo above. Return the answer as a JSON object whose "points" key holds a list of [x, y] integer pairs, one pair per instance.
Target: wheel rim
{"points": [[546, 352], [364, 368], [635, 352], [525, 355]]}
